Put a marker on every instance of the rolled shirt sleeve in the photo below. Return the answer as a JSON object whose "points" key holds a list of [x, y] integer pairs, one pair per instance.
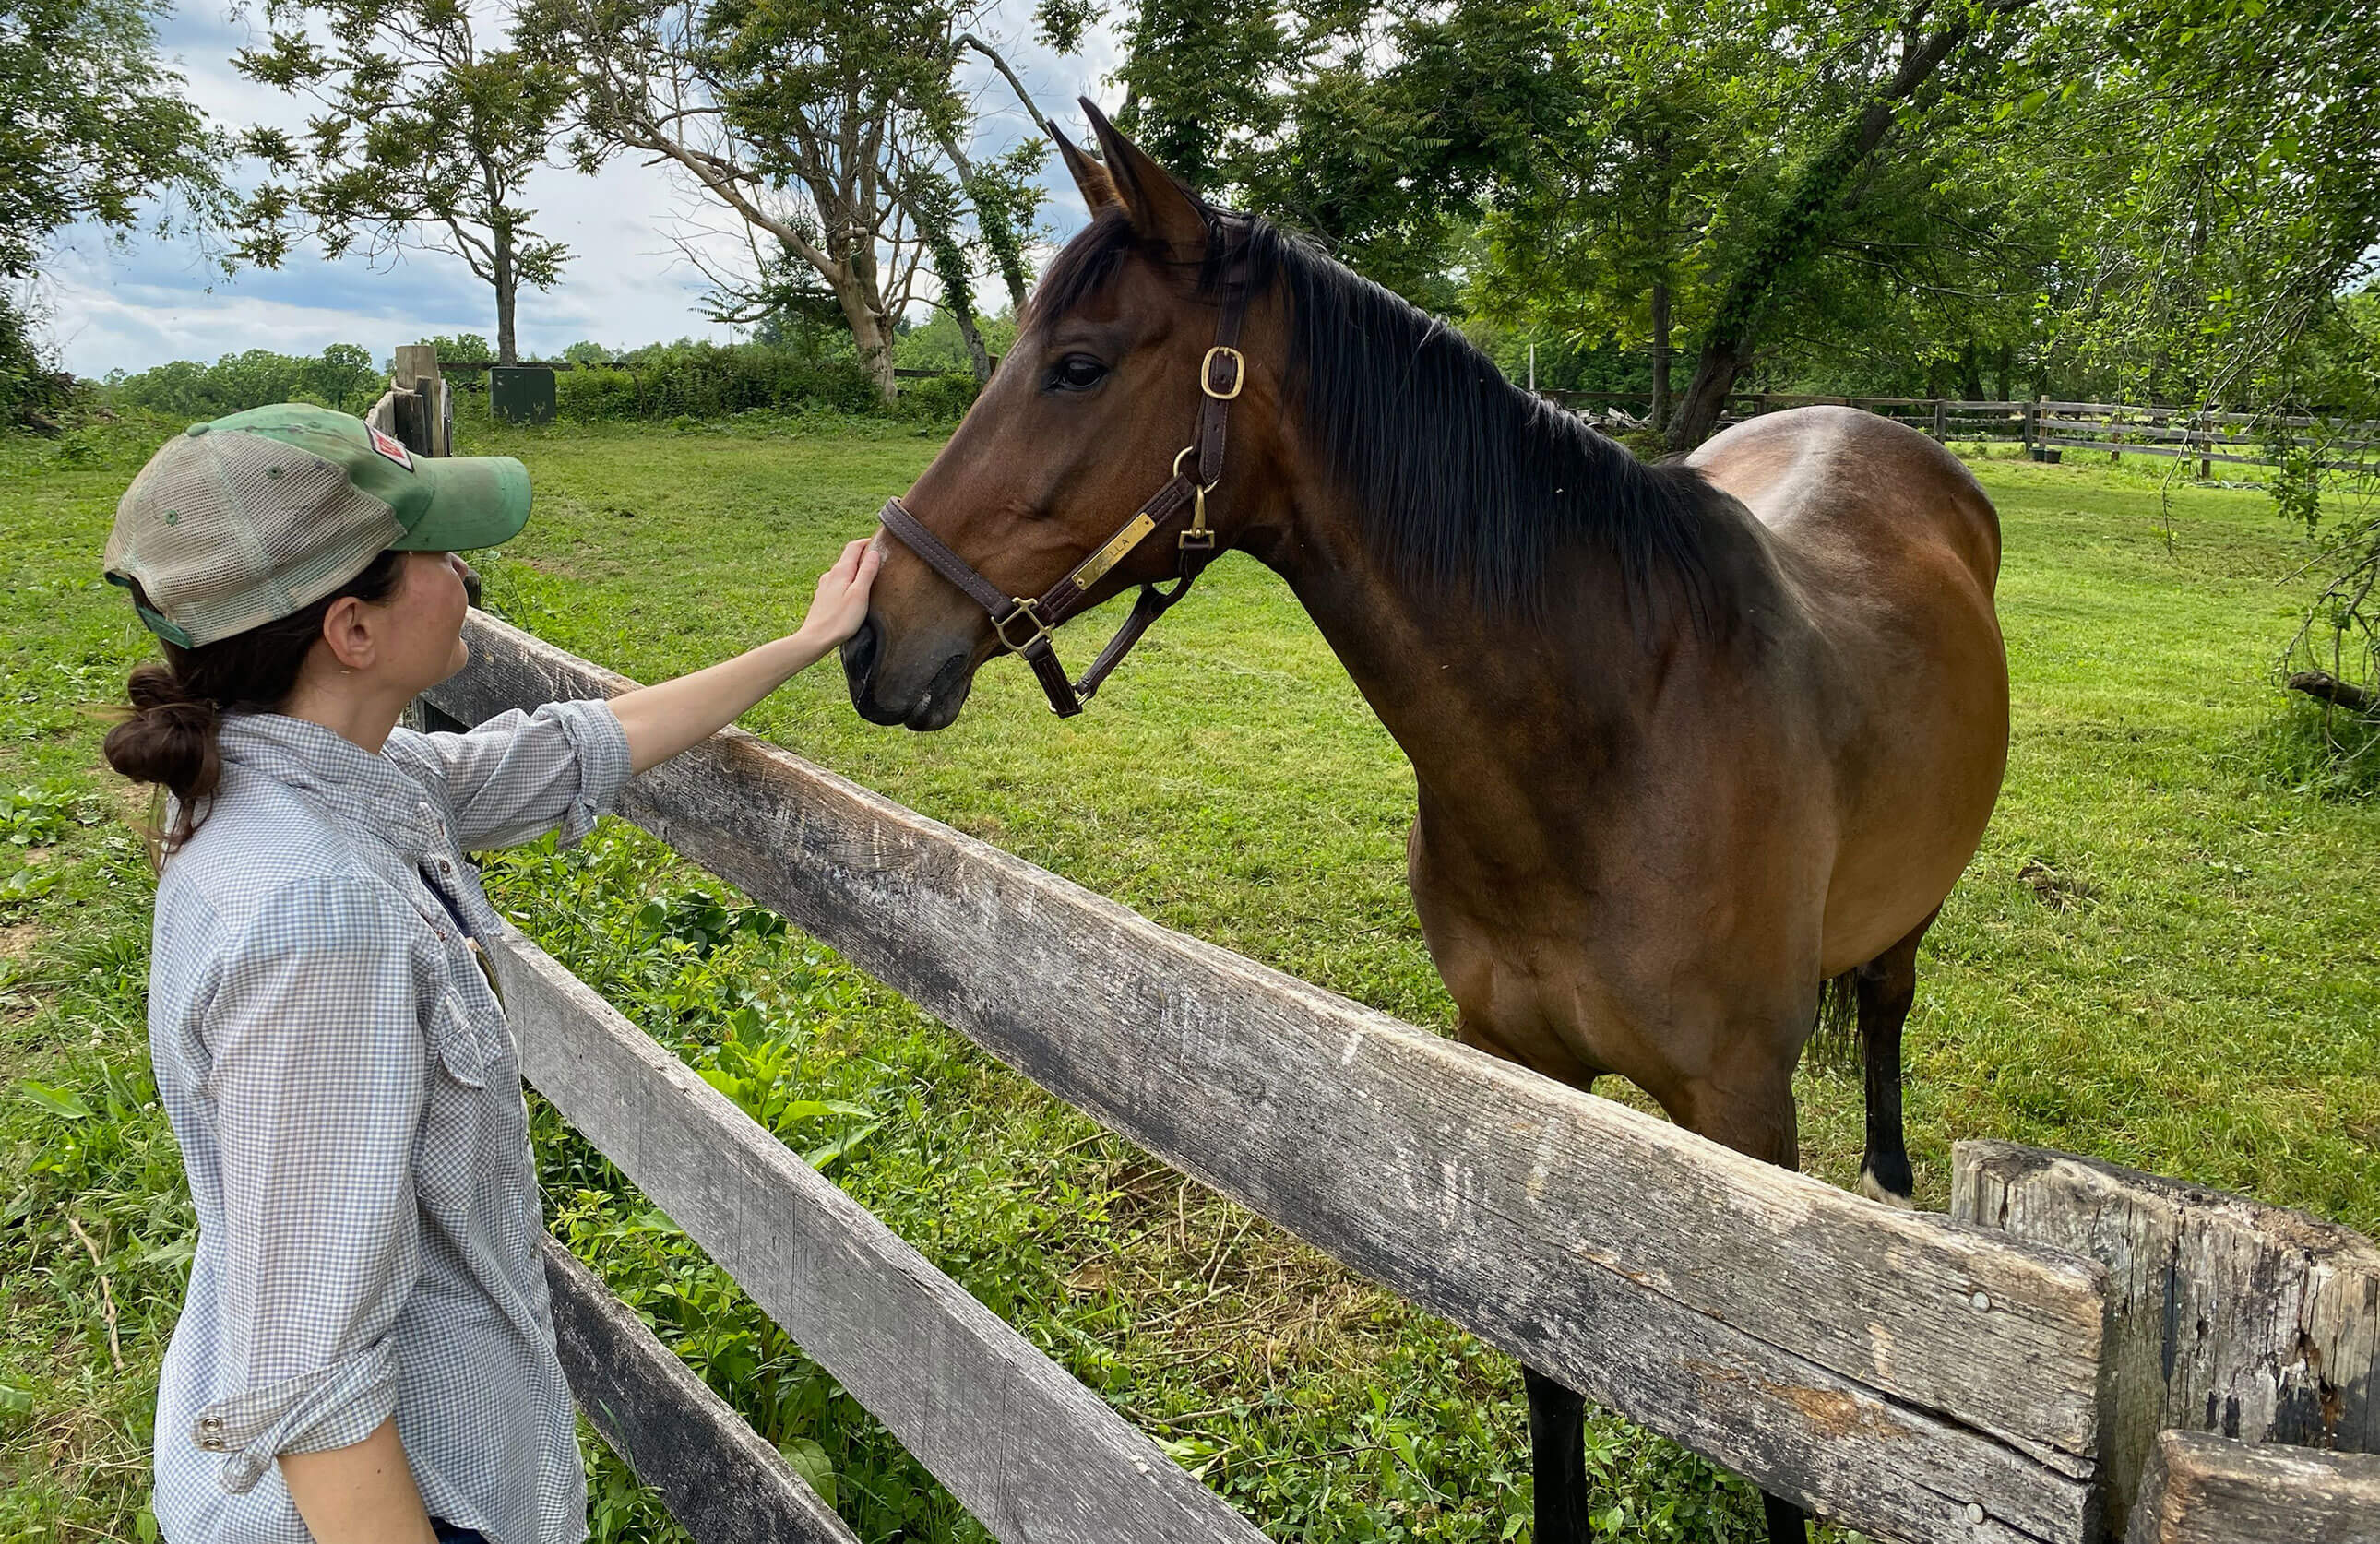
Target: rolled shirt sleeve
{"points": [[318, 1073], [520, 775]]}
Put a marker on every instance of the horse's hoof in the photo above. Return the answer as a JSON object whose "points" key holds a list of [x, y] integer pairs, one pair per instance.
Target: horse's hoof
{"points": [[1875, 1192]]}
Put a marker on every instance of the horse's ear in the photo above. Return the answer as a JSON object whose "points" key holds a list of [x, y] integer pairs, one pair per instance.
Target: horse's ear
{"points": [[1091, 179], [1161, 208]]}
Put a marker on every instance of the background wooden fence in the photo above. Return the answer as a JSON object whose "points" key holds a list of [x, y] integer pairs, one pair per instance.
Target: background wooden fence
{"points": [[2050, 428], [1969, 1379]]}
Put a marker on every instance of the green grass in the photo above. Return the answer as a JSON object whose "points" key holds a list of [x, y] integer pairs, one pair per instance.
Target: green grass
{"points": [[2165, 954]]}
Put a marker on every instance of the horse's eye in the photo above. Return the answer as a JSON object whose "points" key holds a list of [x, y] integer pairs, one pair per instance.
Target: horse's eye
{"points": [[1077, 373]]}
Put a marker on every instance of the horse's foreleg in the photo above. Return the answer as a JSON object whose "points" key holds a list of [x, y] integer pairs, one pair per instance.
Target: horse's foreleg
{"points": [[1762, 1123], [1556, 1458], [1885, 987]]}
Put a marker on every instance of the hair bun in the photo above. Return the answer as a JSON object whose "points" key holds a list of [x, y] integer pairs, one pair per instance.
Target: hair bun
{"points": [[169, 739]]}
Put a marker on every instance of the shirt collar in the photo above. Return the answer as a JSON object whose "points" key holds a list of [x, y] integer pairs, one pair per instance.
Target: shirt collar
{"points": [[364, 789]]}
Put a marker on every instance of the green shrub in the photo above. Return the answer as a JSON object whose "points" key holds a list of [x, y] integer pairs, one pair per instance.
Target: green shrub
{"points": [[705, 381], [342, 376], [938, 400]]}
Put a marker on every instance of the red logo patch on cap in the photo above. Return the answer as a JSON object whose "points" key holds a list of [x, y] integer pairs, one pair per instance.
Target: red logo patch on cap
{"points": [[392, 447]]}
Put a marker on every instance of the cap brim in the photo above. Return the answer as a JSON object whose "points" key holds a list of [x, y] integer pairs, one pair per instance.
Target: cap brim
{"points": [[475, 501]]}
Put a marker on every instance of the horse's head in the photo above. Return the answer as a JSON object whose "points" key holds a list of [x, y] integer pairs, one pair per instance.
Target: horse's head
{"points": [[1082, 423]]}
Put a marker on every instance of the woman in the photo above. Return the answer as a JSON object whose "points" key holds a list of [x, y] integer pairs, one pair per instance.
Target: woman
{"points": [[366, 1352]]}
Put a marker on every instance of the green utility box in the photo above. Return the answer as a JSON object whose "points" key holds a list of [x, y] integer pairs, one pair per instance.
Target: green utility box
{"points": [[521, 394]]}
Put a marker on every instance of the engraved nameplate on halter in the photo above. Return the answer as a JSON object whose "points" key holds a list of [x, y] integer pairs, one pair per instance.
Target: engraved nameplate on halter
{"points": [[1098, 563]]}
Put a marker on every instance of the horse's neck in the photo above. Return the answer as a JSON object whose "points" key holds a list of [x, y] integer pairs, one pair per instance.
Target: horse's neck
{"points": [[1469, 696]]}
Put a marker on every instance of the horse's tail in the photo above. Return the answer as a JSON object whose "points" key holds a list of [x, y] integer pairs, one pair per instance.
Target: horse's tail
{"points": [[1833, 1043]]}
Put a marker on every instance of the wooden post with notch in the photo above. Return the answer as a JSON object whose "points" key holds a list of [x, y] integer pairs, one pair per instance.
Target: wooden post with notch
{"points": [[2224, 1315], [426, 426], [2203, 1489]]}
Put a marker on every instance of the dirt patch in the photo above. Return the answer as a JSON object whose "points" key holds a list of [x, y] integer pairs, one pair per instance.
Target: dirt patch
{"points": [[2055, 888], [16, 940]]}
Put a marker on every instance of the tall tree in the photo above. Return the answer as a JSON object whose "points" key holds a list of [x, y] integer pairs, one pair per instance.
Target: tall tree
{"points": [[425, 137], [96, 129], [1895, 75], [825, 128]]}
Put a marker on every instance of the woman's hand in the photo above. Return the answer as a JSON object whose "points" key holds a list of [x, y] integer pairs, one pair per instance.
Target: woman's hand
{"points": [[664, 720], [841, 601]]}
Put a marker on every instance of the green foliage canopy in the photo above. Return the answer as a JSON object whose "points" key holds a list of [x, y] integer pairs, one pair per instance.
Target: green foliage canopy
{"points": [[95, 128], [425, 137]]}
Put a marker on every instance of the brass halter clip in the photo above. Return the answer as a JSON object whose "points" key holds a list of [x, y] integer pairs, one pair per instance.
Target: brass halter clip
{"points": [[1197, 538]]}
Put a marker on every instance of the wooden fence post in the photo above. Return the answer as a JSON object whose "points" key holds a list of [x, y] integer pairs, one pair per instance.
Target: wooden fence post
{"points": [[2202, 1490], [430, 433], [2224, 1315], [1942, 422]]}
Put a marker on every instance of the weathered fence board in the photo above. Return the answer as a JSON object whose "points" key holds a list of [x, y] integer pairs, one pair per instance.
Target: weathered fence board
{"points": [[1887, 1367], [2226, 1315], [720, 1481], [2203, 1489], [1036, 1457]]}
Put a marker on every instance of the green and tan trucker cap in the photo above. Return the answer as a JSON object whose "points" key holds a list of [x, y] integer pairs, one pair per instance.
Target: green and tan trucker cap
{"points": [[244, 520]]}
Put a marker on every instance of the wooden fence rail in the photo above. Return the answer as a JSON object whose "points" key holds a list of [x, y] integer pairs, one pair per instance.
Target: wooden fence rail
{"points": [[2119, 429], [719, 1480], [1036, 1456], [1910, 1376]]}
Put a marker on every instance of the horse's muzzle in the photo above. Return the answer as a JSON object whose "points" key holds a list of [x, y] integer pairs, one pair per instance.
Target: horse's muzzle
{"points": [[934, 706]]}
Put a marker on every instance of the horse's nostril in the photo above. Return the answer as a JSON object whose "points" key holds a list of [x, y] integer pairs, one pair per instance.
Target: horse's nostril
{"points": [[859, 652]]}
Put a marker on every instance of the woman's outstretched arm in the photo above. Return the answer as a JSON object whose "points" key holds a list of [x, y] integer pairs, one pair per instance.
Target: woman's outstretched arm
{"points": [[666, 718]]}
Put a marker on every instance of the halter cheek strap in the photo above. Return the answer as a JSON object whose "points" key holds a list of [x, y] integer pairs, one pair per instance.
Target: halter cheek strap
{"points": [[1025, 623]]}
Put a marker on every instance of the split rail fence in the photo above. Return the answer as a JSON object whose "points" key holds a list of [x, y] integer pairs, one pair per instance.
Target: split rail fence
{"points": [[2050, 428], [2006, 1374]]}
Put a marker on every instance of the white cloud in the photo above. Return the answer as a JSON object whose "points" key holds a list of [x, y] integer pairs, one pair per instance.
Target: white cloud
{"points": [[144, 302]]}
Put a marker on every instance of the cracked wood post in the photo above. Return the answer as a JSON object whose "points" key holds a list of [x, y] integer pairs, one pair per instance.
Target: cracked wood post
{"points": [[2203, 1489], [1909, 1377], [2226, 1315]]}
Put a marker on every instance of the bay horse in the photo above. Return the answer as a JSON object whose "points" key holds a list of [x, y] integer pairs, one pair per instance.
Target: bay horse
{"points": [[1698, 744]]}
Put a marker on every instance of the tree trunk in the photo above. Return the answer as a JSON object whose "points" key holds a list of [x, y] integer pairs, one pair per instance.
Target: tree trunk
{"points": [[1799, 229], [871, 332], [1715, 372], [979, 361], [1660, 354], [2007, 369], [998, 234], [853, 278], [1971, 371], [507, 294]]}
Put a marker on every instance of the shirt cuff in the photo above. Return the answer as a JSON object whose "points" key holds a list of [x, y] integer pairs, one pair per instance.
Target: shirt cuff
{"points": [[600, 746], [334, 1407]]}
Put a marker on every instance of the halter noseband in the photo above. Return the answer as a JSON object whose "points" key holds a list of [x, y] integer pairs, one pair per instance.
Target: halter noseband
{"points": [[1025, 623]]}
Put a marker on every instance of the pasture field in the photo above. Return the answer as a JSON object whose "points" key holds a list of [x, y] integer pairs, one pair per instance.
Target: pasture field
{"points": [[2165, 954]]}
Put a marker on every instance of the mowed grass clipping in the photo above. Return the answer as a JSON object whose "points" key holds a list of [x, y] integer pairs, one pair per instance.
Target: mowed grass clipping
{"points": [[2164, 954]]}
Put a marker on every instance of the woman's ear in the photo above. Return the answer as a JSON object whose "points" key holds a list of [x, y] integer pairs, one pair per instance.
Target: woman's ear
{"points": [[348, 633]]}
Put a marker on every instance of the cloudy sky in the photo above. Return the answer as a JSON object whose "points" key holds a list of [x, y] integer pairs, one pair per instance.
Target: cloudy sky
{"points": [[132, 306]]}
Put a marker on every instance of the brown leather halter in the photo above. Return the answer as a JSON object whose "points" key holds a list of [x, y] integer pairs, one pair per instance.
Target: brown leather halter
{"points": [[1024, 625]]}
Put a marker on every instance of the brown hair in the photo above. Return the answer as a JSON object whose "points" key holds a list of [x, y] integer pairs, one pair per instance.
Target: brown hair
{"points": [[169, 738]]}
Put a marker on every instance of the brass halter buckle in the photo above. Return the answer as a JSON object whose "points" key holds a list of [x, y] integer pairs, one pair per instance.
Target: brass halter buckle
{"points": [[1239, 373], [1026, 608]]}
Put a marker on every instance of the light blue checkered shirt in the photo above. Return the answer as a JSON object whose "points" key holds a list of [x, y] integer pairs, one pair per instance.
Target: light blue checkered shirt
{"points": [[348, 1103]]}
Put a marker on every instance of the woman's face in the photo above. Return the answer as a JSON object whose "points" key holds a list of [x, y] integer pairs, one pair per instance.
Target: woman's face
{"points": [[425, 615]]}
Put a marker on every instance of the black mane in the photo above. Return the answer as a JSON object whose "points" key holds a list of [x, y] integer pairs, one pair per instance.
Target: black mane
{"points": [[1470, 484]]}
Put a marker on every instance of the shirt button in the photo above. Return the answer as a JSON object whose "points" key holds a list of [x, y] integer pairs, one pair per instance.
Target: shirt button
{"points": [[445, 867]]}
